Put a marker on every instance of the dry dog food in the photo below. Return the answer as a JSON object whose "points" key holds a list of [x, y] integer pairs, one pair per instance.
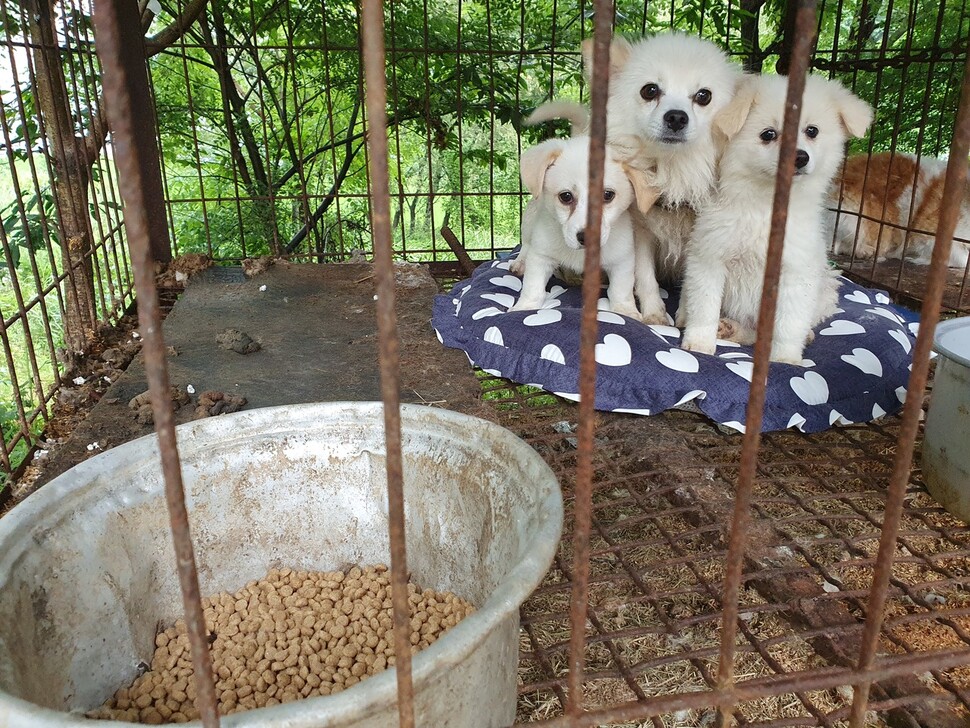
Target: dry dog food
{"points": [[292, 635]]}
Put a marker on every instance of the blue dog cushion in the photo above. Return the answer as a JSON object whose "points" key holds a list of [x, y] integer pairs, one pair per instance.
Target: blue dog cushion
{"points": [[855, 370]]}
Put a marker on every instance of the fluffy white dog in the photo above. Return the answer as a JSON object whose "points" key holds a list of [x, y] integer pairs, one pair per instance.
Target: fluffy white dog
{"points": [[556, 173], [726, 253], [666, 95]]}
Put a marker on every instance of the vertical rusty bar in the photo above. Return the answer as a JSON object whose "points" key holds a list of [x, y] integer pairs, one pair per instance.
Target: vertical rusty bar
{"points": [[372, 38], [126, 94], [953, 190], [582, 503], [804, 37]]}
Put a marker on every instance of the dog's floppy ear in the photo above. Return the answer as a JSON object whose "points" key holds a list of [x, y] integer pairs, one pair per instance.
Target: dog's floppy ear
{"points": [[731, 118], [620, 50], [646, 194], [535, 162], [856, 114]]}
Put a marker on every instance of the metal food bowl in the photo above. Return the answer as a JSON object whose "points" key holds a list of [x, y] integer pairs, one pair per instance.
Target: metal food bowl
{"points": [[87, 568]]}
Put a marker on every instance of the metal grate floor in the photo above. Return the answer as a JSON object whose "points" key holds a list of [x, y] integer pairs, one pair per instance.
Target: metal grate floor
{"points": [[662, 501]]}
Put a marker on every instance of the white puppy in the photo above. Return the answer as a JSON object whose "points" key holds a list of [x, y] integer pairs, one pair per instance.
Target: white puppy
{"points": [[726, 253], [556, 172], [666, 95]]}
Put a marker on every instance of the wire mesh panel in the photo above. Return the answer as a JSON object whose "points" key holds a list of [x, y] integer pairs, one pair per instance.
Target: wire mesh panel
{"points": [[799, 584], [64, 268]]}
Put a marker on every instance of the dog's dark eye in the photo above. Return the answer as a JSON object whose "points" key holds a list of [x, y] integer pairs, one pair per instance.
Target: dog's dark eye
{"points": [[566, 197], [811, 131], [650, 91], [703, 97], [608, 195], [768, 135]]}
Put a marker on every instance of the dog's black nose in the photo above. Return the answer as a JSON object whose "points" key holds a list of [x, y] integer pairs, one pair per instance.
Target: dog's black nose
{"points": [[675, 119], [581, 237], [801, 158]]}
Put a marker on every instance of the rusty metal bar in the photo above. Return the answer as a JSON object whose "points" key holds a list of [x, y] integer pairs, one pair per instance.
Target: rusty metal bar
{"points": [[807, 680], [121, 48], [953, 190], [582, 503], [372, 37], [804, 40]]}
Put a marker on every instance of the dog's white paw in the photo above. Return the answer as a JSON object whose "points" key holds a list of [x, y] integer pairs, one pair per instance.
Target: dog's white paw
{"points": [[625, 310], [654, 313], [680, 318], [786, 354], [517, 266], [701, 343], [728, 329], [521, 305]]}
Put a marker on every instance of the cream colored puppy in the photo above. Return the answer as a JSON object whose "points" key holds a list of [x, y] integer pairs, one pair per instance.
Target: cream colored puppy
{"points": [[556, 173], [666, 94], [726, 254]]}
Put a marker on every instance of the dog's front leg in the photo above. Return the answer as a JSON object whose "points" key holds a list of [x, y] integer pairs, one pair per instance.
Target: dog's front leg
{"points": [[645, 282], [538, 269], [703, 293], [793, 320], [620, 292]]}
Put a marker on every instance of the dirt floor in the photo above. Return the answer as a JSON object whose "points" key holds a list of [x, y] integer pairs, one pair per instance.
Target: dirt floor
{"points": [[662, 499]]}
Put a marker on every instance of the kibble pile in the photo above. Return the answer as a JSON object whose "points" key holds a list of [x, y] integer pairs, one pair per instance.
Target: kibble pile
{"points": [[292, 635]]}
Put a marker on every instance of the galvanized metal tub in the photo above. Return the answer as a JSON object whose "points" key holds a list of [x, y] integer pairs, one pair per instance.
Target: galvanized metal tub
{"points": [[946, 439], [87, 567]]}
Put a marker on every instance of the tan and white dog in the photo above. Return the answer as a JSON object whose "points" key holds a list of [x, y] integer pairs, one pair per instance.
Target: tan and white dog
{"points": [[904, 193], [726, 254], [556, 173]]}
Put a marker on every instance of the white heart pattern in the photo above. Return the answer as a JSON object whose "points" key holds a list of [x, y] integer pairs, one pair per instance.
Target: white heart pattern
{"points": [[796, 421], [841, 327], [735, 425], [901, 394], [614, 351], [857, 296], [902, 338], [502, 299], [735, 355], [678, 360], [744, 369], [513, 282], [671, 331], [836, 417], [552, 353], [608, 317], [494, 336], [486, 312], [810, 388], [808, 363], [882, 298], [692, 394], [542, 317], [877, 411], [864, 360], [885, 313], [556, 291]]}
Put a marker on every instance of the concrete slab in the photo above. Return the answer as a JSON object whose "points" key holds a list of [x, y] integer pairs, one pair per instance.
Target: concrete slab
{"points": [[317, 330]]}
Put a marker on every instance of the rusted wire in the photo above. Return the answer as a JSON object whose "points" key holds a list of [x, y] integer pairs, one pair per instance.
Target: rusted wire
{"points": [[953, 192], [804, 37], [119, 44], [582, 504], [372, 38]]}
